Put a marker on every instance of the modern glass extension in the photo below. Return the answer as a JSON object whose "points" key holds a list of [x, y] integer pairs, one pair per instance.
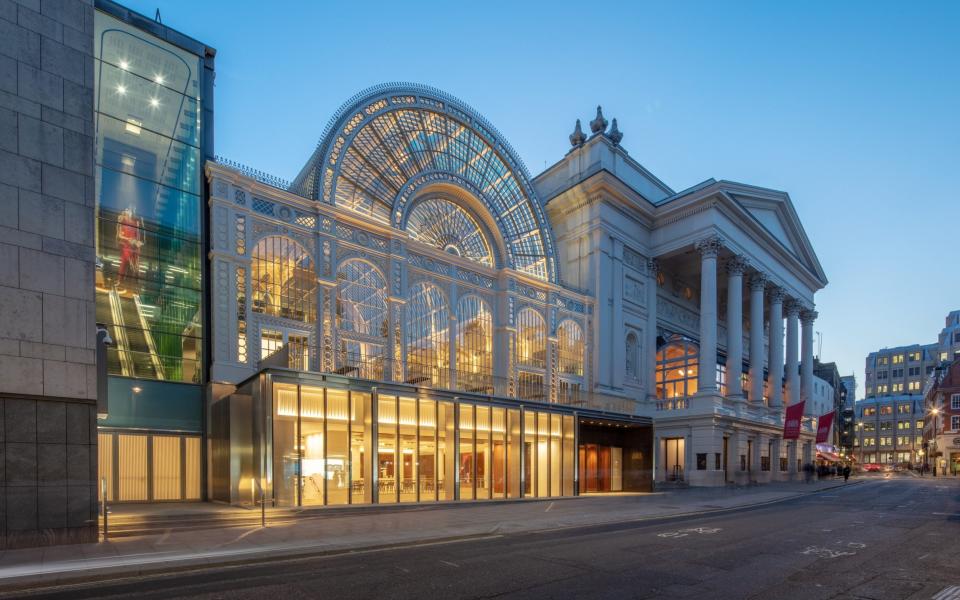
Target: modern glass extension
{"points": [[322, 440]]}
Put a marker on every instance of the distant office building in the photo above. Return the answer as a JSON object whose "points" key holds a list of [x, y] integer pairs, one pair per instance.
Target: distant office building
{"points": [[890, 429], [905, 369], [849, 383]]}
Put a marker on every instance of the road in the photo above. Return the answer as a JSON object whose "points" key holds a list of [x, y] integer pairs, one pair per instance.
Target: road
{"points": [[887, 538]]}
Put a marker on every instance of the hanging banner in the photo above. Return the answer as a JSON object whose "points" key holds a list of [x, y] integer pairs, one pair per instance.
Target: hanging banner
{"points": [[791, 422], [823, 427]]}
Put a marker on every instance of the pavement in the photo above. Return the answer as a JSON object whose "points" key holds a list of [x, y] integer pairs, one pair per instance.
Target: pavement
{"points": [[332, 532]]}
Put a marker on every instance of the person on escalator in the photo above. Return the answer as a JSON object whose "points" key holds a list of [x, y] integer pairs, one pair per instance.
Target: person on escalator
{"points": [[130, 240]]}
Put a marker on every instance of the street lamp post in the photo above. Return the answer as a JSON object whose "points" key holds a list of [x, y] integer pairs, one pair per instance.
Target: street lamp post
{"points": [[933, 451]]}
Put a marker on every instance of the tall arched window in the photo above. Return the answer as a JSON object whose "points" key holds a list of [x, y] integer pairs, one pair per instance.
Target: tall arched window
{"points": [[284, 283], [531, 354], [361, 319], [474, 345], [447, 226], [677, 369], [428, 336], [570, 342], [631, 355]]}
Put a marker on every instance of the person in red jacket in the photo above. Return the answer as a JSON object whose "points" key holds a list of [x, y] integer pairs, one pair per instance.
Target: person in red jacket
{"points": [[129, 240]]}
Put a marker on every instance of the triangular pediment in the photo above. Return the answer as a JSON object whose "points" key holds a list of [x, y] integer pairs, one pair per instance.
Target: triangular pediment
{"points": [[773, 222], [775, 213]]}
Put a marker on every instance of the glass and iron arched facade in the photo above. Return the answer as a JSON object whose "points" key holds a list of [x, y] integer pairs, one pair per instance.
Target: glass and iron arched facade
{"points": [[284, 282], [361, 319], [390, 142], [428, 336]]}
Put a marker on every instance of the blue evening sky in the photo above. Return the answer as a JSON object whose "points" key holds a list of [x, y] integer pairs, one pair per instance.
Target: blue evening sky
{"points": [[850, 107]]}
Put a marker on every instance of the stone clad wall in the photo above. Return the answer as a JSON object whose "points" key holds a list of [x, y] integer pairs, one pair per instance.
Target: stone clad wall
{"points": [[48, 457]]}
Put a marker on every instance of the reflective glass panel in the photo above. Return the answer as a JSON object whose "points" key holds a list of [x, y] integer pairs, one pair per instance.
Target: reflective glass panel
{"points": [[338, 446], [467, 456], [407, 479], [387, 449], [428, 450], [484, 487], [428, 336], [286, 456], [361, 448], [311, 445]]}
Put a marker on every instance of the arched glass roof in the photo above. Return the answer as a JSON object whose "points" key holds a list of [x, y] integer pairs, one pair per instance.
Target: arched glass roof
{"points": [[448, 227], [388, 142]]}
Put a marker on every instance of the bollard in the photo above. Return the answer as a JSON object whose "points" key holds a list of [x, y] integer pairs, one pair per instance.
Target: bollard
{"points": [[103, 506], [263, 506]]}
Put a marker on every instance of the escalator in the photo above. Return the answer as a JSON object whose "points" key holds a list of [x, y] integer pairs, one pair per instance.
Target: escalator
{"points": [[134, 353]]}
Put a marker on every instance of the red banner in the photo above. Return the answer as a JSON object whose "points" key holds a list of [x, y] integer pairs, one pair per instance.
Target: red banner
{"points": [[823, 427], [791, 423]]}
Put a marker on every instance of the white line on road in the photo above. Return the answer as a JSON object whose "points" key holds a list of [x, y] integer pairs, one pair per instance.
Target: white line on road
{"points": [[549, 507], [455, 565], [949, 593]]}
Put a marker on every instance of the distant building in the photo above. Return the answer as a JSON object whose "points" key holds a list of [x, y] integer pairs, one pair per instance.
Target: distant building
{"points": [[849, 383], [942, 432], [830, 375], [889, 430], [905, 369]]}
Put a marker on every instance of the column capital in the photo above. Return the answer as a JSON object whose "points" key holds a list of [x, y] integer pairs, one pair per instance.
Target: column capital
{"points": [[709, 247], [777, 294], [736, 265], [758, 280], [653, 267], [791, 307], [808, 316]]}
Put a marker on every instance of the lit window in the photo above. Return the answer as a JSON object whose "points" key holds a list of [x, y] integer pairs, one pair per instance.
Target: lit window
{"points": [[284, 284], [898, 359], [570, 341], [428, 336], [677, 369], [474, 345], [361, 319], [448, 227], [531, 339], [914, 386]]}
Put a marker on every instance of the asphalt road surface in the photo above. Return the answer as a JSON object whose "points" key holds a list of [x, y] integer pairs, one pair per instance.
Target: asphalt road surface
{"points": [[887, 538]]}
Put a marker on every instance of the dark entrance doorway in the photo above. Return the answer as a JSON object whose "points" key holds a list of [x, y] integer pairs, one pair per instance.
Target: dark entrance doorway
{"points": [[615, 456]]}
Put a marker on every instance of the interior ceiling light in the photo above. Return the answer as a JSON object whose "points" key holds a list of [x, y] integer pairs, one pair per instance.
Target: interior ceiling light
{"points": [[154, 102], [159, 79], [121, 89], [124, 65]]}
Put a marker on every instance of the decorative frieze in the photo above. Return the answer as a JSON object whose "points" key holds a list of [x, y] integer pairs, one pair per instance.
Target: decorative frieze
{"points": [[634, 291], [633, 259]]}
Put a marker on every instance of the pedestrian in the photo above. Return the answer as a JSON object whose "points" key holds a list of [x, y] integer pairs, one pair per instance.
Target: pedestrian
{"points": [[846, 473], [807, 472]]}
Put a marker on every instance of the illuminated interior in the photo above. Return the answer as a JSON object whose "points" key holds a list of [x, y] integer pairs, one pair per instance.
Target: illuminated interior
{"points": [[361, 319], [283, 281], [677, 369], [446, 226]]}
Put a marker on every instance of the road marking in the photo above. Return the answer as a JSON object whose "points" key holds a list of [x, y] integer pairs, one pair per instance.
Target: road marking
{"points": [[685, 532], [923, 557], [826, 552], [942, 514], [549, 507], [454, 565], [948, 593], [856, 545]]}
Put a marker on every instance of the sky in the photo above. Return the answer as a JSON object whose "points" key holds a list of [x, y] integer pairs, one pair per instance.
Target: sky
{"points": [[852, 108]]}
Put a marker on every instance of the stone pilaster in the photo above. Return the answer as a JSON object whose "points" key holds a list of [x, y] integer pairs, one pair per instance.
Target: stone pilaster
{"points": [[650, 334]]}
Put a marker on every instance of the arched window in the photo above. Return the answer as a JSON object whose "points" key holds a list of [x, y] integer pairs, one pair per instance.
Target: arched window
{"points": [[284, 283], [448, 227], [631, 355], [531, 354], [677, 368], [531, 339], [428, 336], [570, 343], [361, 319], [474, 345]]}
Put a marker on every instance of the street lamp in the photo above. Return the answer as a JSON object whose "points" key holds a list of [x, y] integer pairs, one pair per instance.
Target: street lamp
{"points": [[933, 452]]}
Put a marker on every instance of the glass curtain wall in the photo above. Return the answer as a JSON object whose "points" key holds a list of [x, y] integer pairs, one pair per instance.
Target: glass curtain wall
{"points": [[326, 450], [148, 203], [474, 345], [531, 355], [428, 336]]}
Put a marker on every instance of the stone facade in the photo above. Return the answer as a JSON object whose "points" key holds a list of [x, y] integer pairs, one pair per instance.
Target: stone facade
{"points": [[47, 333]]}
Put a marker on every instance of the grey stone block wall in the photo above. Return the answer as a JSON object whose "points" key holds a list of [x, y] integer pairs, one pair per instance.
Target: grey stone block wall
{"points": [[48, 452]]}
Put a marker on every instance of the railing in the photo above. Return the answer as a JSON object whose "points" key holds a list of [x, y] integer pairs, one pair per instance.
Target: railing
{"points": [[261, 176], [381, 368]]}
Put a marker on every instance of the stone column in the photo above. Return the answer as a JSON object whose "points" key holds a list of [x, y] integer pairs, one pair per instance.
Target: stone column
{"points": [[758, 283], [775, 473], [735, 268], [650, 334], [776, 347], [709, 249], [793, 373], [792, 459], [807, 318]]}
